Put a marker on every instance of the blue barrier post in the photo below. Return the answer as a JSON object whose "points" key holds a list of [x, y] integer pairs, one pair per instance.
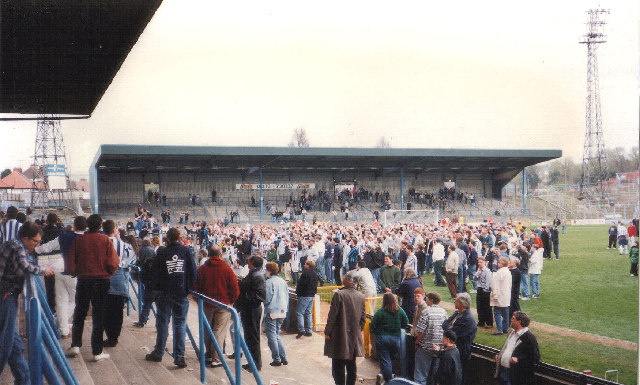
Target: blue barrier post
{"points": [[35, 336], [48, 314], [49, 371], [201, 358], [58, 356], [403, 352]]}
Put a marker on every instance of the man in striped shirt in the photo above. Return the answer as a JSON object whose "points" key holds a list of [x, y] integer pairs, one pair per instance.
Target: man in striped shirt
{"points": [[429, 332], [10, 228]]}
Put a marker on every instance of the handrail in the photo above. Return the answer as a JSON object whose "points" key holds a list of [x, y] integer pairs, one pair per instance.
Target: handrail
{"points": [[42, 333], [203, 326], [238, 343]]}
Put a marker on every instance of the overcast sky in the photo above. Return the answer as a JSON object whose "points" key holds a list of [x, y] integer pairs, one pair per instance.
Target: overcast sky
{"points": [[497, 74]]}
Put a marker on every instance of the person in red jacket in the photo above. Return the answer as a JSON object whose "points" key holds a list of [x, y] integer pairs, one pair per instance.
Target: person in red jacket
{"points": [[93, 259], [216, 280]]}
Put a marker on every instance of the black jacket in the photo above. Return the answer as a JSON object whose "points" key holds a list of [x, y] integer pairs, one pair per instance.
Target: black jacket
{"points": [[175, 270], [526, 350], [253, 291], [465, 327], [307, 284]]}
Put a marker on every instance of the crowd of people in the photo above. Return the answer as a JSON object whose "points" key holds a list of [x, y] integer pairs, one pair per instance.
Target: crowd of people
{"points": [[250, 267]]}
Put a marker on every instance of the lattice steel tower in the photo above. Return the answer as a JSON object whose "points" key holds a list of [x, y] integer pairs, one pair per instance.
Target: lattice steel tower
{"points": [[594, 162], [49, 151]]}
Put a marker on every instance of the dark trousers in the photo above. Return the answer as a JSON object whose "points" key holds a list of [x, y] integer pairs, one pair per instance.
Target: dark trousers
{"points": [[613, 240], [338, 368], [485, 316], [452, 284], [337, 275], [94, 292], [50, 287], [113, 316], [251, 324], [437, 270], [634, 268]]}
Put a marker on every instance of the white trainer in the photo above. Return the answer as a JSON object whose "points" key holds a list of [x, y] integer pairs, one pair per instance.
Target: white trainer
{"points": [[101, 356], [73, 351]]}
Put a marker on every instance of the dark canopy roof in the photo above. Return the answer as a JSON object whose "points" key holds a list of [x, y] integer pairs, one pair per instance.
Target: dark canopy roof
{"points": [[59, 56], [131, 158]]}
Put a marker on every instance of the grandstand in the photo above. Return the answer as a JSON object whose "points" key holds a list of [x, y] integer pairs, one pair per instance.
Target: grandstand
{"points": [[214, 182]]}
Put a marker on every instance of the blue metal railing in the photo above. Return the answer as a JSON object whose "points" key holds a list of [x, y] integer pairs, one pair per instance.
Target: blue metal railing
{"points": [[238, 342], [204, 327], [43, 333]]}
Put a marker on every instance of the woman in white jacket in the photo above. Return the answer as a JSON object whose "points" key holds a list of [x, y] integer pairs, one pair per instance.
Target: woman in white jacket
{"points": [[535, 269]]}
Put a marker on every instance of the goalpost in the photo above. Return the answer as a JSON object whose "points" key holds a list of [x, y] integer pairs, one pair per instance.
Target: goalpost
{"points": [[426, 216]]}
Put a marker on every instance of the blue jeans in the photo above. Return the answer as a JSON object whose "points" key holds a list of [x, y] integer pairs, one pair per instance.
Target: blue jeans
{"points": [[471, 271], [387, 347], [376, 276], [272, 329], [168, 307], [437, 271], [428, 263], [12, 347], [524, 285], [328, 269], [535, 284], [503, 376], [148, 298], [304, 314], [501, 316], [426, 368], [461, 275], [320, 269]]}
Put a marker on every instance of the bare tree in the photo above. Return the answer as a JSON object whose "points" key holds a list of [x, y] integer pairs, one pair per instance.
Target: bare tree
{"points": [[299, 138], [383, 142]]}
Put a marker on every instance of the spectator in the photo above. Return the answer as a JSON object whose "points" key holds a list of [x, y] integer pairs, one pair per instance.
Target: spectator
{"points": [[250, 305], [501, 296], [449, 368], [342, 345], [175, 270], [633, 258], [93, 259], [516, 362], [535, 269], [147, 277], [14, 267], [306, 290], [389, 275], [216, 280], [464, 325], [428, 333], [405, 291], [451, 267], [482, 278], [275, 308], [386, 325]]}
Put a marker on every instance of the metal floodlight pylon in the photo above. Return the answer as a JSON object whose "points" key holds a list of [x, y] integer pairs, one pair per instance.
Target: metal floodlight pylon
{"points": [[594, 162], [49, 151]]}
